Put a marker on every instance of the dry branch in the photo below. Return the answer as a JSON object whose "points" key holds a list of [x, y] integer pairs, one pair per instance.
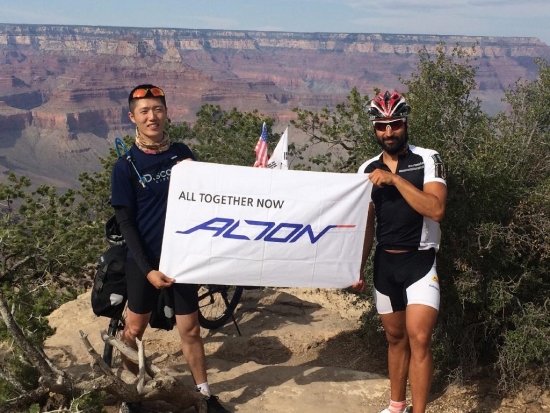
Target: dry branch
{"points": [[54, 383], [162, 386], [21, 402], [141, 360], [35, 357], [114, 384], [129, 353]]}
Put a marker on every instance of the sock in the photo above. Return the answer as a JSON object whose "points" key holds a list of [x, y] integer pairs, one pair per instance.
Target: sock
{"points": [[204, 389], [397, 407]]}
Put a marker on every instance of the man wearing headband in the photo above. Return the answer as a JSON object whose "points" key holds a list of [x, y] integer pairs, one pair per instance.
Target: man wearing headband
{"points": [[140, 207], [408, 202]]}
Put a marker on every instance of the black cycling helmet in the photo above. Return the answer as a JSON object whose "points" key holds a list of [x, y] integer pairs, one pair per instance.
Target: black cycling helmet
{"points": [[112, 232], [387, 106]]}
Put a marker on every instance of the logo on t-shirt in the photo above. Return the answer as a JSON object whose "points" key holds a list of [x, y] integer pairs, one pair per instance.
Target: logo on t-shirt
{"points": [[157, 177]]}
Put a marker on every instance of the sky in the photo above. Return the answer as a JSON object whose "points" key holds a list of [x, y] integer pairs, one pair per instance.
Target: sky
{"points": [[501, 18]]}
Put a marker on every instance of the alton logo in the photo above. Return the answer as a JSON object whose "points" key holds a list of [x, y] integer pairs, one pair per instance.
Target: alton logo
{"points": [[268, 231]]}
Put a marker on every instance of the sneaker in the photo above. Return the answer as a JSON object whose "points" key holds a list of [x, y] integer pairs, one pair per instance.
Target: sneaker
{"points": [[408, 409], [127, 407], [214, 405]]}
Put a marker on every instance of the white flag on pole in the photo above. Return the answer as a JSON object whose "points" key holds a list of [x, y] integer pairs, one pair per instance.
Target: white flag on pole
{"points": [[279, 156]]}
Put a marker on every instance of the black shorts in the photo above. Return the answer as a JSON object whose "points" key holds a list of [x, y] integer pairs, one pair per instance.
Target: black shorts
{"points": [[405, 278], [143, 296]]}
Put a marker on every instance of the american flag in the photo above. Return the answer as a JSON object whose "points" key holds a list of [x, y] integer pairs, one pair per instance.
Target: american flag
{"points": [[261, 149]]}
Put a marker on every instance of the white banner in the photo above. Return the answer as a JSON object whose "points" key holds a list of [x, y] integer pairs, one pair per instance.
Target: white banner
{"points": [[261, 227]]}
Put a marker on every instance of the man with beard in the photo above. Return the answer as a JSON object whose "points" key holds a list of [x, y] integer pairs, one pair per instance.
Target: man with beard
{"points": [[408, 202]]}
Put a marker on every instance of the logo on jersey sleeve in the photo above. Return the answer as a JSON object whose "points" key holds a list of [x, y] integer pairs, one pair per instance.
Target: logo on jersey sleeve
{"points": [[440, 171]]}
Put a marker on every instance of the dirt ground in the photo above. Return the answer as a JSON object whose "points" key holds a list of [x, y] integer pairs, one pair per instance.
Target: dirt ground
{"points": [[299, 351]]}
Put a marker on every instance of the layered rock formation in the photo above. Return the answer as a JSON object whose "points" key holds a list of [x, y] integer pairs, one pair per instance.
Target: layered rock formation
{"points": [[70, 83]]}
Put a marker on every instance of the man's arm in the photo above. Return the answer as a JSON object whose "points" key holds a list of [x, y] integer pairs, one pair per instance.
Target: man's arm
{"points": [[369, 236], [430, 202], [367, 247], [126, 221]]}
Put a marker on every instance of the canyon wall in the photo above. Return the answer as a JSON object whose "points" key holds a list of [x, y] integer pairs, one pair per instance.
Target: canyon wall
{"points": [[66, 86]]}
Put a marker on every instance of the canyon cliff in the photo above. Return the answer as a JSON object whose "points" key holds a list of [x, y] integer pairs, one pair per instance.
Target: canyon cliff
{"points": [[63, 89]]}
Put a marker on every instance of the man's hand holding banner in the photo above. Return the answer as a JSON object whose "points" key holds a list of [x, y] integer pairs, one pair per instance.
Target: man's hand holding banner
{"points": [[238, 225]]}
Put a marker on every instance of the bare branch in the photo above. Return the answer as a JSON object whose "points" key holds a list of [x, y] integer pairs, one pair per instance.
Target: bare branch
{"points": [[115, 385], [4, 375], [129, 353], [163, 386], [120, 383], [141, 359], [16, 264], [26, 399], [35, 357]]}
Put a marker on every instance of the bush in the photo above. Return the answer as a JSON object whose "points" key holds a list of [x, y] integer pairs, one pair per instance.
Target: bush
{"points": [[494, 259]]}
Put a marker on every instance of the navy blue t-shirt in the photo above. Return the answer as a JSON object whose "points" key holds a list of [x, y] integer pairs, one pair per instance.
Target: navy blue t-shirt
{"points": [[149, 203]]}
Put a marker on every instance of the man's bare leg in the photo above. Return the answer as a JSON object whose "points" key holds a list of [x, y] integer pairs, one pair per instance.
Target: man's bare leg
{"points": [[399, 353], [421, 321], [134, 327], [192, 345]]}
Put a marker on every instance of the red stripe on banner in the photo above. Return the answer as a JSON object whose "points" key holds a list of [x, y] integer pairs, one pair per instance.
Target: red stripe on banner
{"points": [[345, 226]]}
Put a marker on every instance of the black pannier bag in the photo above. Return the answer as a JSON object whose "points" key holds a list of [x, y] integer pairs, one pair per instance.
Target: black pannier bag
{"points": [[163, 315], [109, 291]]}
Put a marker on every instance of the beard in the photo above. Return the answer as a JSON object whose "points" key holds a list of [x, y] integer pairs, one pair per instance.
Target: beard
{"points": [[400, 142]]}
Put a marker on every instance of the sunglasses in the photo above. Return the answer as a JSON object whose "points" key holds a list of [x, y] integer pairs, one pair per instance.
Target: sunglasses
{"points": [[394, 125], [141, 93]]}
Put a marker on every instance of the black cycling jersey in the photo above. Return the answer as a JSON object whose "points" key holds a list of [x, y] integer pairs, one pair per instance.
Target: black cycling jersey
{"points": [[398, 225]]}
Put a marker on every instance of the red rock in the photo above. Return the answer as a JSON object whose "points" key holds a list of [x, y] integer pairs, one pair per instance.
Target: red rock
{"points": [[71, 81]]}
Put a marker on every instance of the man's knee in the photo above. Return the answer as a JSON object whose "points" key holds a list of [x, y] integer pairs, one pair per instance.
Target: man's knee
{"points": [[396, 336], [133, 331], [395, 327], [192, 331], [420, 340], [188, 326]]}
